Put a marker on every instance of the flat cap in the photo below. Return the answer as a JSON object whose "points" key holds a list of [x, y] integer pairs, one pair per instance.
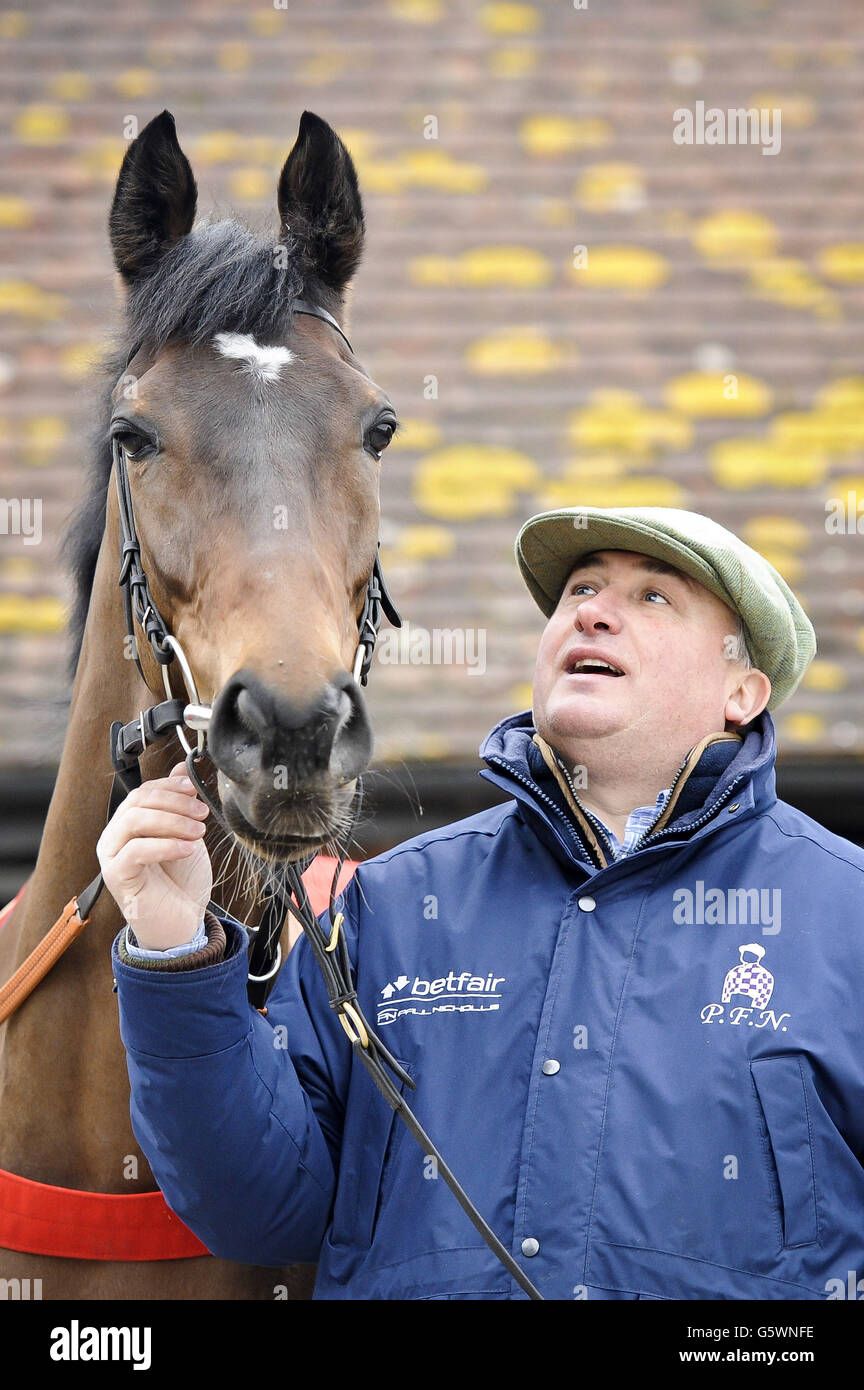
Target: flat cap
{"points": [[779, 634]]}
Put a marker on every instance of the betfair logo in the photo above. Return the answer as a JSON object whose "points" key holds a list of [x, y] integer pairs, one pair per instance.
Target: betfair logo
{"points": [[450, 984], [450, 993]]}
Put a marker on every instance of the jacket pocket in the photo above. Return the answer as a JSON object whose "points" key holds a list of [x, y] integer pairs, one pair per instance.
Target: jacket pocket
{"points": [[371, 1135], [781, 1087]]}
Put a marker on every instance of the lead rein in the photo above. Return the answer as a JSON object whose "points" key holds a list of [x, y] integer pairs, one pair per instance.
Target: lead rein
{"points": [[366, 1045]]}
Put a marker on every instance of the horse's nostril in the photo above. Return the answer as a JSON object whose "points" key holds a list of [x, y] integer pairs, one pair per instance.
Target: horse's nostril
{"points": [[251, 714], [352, 740], [255, 729]]}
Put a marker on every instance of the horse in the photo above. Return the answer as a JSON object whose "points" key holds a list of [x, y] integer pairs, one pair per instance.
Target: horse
{"points": [[252, 438]]}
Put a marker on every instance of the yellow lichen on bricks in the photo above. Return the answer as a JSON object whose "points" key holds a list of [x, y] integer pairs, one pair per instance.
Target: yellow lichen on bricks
{"points": [[790, 282], [804, 727], [42, 437], [634, 268], [778, 531], [22, 299], [467, 481], [798, 110], [745, 462], [417, 11], [621, 420], [514, 267], [512, 62], [825, 675], [709, 395], [641, 491], [549, 135], [501, 19], [250, 185], [70, 86], [15, 212], [234, 57], [843, 262], [416, 433], [135, 83], [23, 614], [521, 696], [611, 187], [733, 239], [833, 431], [14, 24], [419, 543], [514, 352], [40, 124]]}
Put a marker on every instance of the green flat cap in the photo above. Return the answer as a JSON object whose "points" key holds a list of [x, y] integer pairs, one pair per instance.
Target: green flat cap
{"points": [[780, 636]]}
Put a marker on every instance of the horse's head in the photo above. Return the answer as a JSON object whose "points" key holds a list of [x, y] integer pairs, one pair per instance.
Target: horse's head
{"points": [[252, 437]]}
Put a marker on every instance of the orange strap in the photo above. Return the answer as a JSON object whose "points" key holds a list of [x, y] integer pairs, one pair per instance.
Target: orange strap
{"points": [[41, 959], [43, 1220]]}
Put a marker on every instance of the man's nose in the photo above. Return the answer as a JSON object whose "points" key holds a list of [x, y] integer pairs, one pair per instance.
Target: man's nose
{"points": [[598, 612]]}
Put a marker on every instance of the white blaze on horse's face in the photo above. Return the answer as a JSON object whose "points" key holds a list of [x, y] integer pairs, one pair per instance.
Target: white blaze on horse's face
{"points": [[263, 363]]}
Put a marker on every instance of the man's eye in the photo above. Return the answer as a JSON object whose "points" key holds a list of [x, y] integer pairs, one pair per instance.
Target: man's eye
{"points": [[652, 593], [577, 587]]}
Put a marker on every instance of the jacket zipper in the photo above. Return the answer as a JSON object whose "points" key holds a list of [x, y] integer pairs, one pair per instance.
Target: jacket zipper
{"points": [[598, 827], [574, 834], [538, 792], [646, 834], [721, 801]]}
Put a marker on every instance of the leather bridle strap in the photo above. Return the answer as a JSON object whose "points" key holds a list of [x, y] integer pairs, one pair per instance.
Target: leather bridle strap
{"points": [[138, 602], [331, 953], [302, 306], [332, 956]]}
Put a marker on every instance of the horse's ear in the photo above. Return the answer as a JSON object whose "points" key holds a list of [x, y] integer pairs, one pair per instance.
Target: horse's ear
{"points": [[154, 201], [319, 202]]}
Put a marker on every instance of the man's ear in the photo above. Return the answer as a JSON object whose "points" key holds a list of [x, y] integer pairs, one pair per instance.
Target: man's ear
{"points": [[748, 699]]}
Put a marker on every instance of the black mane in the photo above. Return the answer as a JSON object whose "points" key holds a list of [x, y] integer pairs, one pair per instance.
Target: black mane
{"points": [[220, 278]]}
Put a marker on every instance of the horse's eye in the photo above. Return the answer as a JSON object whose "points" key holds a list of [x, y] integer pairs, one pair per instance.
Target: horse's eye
{"points": [[380, 435], [134, 445]]}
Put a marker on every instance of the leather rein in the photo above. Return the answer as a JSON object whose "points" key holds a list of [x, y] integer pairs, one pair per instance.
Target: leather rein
{"points": [[287, 892]]}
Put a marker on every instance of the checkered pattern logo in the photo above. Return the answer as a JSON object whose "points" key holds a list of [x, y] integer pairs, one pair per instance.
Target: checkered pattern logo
{"points": [[750, 977]]}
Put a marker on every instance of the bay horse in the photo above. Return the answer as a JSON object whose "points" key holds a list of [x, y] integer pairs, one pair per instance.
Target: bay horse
{"points": [[252, 438]]}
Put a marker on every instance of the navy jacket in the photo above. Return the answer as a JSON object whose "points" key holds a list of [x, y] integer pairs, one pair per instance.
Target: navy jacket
{"points": [[649, 1072]]}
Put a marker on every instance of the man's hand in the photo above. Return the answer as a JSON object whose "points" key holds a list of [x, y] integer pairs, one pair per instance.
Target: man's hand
{"points": [[155, 863]]}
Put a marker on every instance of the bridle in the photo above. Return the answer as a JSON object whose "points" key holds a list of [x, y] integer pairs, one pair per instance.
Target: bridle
{"points": [[128, 743]]}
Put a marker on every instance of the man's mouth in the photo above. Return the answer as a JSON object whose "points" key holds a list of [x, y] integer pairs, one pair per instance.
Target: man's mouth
{"points": [[592, 666]]}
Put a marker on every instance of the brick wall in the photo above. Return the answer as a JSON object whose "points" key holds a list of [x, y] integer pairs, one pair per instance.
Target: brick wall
{"points": [[564, 304]]}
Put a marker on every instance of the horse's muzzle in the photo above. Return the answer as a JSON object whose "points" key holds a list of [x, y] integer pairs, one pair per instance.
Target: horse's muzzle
{"points": [[279, 755]]}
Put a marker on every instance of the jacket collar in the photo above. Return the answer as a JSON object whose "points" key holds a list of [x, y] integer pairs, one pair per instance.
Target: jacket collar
{"points": [[523, 764]]}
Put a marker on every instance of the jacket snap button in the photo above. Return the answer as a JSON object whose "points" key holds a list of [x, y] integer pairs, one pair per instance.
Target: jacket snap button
{"points": [[530, 1246], [736, 806], [587, 904], [550, 1067]]}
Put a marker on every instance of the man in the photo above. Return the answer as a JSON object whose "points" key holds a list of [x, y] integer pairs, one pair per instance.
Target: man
{"points": [[550, 972]]}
